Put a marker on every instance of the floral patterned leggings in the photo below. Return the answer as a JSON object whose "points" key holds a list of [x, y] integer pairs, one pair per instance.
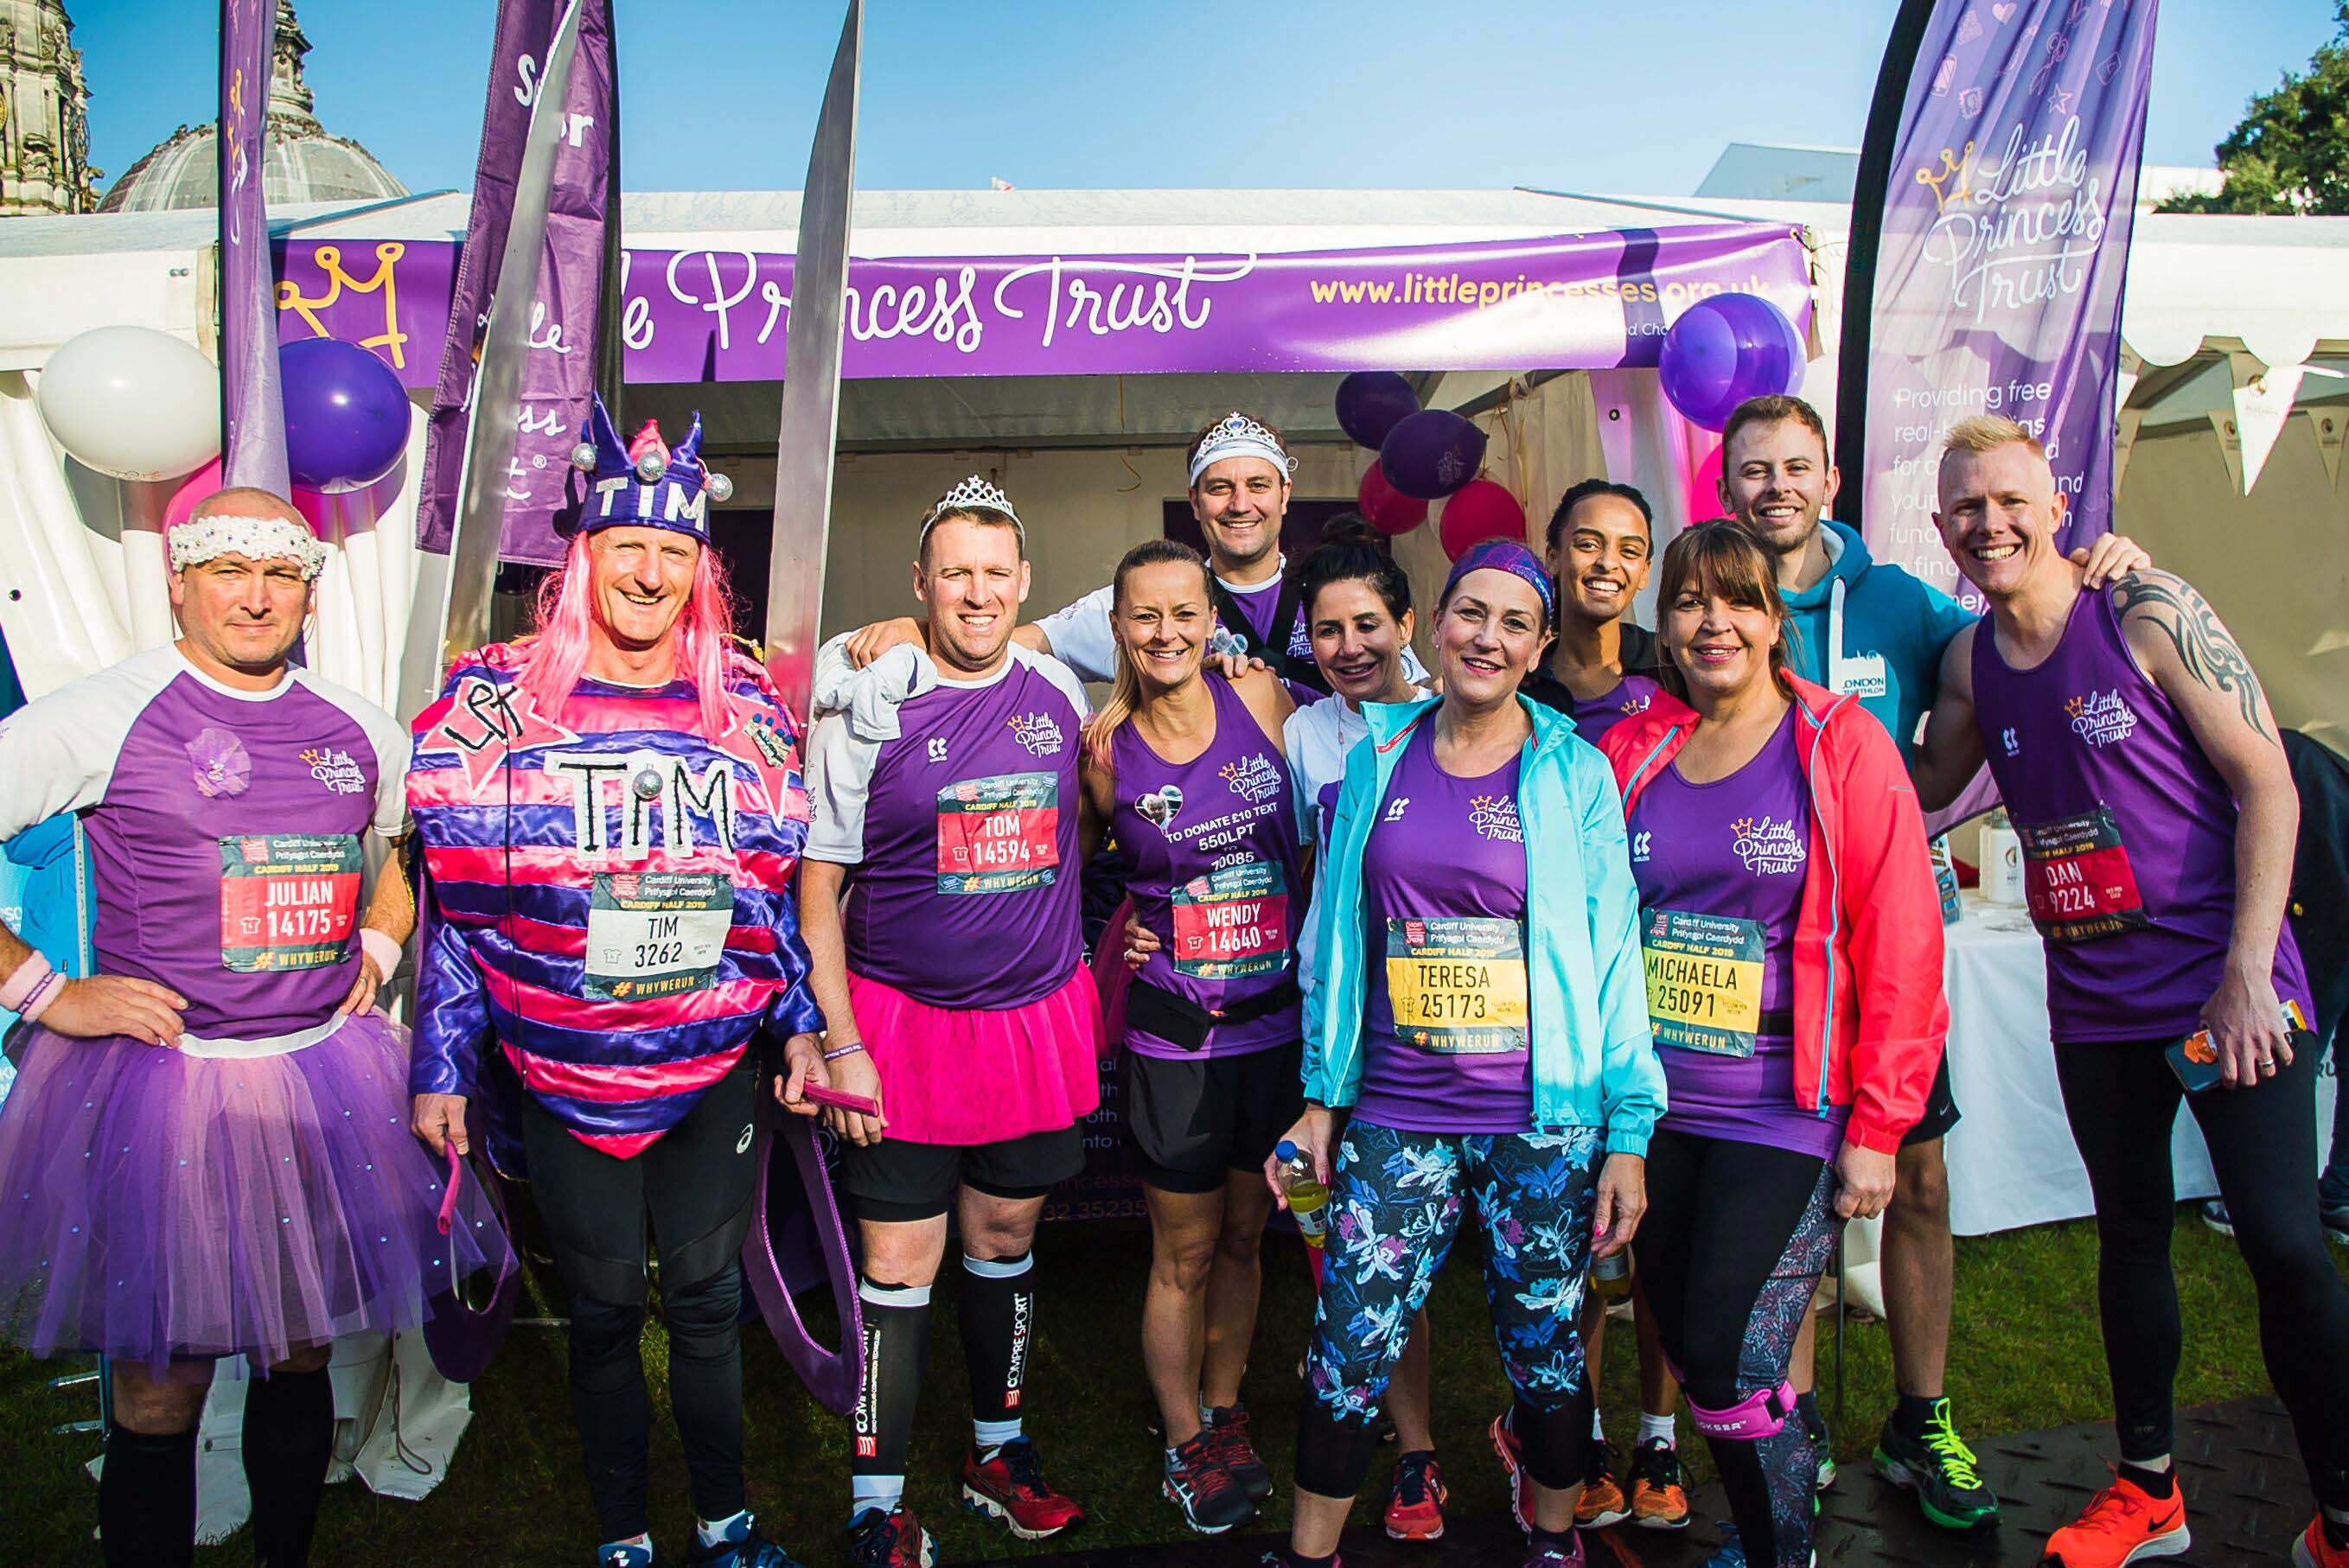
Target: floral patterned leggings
{"points": [[1395, 1210]]}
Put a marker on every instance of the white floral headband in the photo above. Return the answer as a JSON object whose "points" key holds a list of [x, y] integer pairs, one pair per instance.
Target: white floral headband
{"points": [[202, 539]]}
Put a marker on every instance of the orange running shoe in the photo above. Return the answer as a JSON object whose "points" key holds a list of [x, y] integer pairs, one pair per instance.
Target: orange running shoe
{"points": [[1659, 1501], [1602, 1501], [2313, 1550], [2123, 1523], [1415, 1503]]}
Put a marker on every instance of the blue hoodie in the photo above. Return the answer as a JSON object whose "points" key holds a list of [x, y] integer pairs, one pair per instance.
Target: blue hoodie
{"points": [[1875, 632]]}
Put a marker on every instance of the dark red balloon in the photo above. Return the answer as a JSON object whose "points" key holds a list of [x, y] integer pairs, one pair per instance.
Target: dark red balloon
{"points": [[1480, 510], [1389, 510], [1432, 453], [1373, 402]]}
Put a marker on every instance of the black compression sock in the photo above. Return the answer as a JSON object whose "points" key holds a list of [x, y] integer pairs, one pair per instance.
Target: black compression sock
{"points": [[998, 1312], [147, 1499], [289, 1435], [896, 1359], [2152, 1482], [1910, 1415]]}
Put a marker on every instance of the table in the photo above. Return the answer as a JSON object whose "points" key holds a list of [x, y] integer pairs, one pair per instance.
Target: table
{"points": [[2011, 1158]]}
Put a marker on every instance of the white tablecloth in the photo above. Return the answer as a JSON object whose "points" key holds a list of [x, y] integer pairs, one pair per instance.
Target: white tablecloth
{"points": [[2011, 1158]]}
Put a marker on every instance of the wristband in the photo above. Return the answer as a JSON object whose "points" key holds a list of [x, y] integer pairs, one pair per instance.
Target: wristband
{"points": [[379, 946], [47, 992], [849, 1049], [27, 979]]}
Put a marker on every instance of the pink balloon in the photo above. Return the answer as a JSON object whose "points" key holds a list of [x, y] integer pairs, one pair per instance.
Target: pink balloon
{"points": [[203, 482], [1704, 488], [1476, 512], [1388, 509]]}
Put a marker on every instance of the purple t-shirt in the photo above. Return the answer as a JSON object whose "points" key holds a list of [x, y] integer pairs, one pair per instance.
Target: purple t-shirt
{"points": [[226, 830], [1720, 868], [1594, 716], [2129, 834], [1444, 1029], [960, 834], [1210, 852]]}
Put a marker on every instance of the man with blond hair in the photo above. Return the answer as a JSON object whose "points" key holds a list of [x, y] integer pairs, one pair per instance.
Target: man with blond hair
{"points": [[2141, 765]]}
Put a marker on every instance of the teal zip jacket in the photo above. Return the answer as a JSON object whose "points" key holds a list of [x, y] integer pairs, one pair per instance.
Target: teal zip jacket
{"points": [[1868, 629], [1594, 1061]]}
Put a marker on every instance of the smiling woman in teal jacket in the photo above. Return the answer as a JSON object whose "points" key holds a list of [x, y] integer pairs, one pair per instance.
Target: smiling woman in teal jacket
{"points": [[1480, 1023]]}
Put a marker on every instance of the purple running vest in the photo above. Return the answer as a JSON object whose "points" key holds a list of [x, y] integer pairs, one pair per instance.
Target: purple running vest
{"points": [[1210, 852], [1257, 602], [967, 893], [1735, 852], [1594, 716], [2129, 834], [1441, 850]]}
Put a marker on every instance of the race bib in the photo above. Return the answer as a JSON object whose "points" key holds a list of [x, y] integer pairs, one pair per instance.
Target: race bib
{"points": [[1456, 985], [654, 934], [2076, 878], [1704, 980], [1233, 922], [288, 901], [1000, 834]]}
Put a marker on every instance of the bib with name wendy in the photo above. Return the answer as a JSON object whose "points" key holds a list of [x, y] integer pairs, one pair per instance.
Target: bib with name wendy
{"points": [[1457, 983], [1232, 923]]}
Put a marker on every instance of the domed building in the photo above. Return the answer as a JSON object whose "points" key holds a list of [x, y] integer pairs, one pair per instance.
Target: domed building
{"points": [[301, 162]]}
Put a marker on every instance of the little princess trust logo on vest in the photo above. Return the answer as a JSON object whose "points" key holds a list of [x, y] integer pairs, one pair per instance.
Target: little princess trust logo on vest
{"points": [[2101, 718], [335, 769], [1039, 732], [1768, 846], [1496, 817], [1253, 778]]}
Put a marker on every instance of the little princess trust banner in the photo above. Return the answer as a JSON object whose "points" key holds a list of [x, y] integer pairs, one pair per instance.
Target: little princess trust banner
{"points": [[2006, 236]]}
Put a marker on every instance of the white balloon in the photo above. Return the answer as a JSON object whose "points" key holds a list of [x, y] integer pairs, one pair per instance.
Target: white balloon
{"points": [[132, 402]]}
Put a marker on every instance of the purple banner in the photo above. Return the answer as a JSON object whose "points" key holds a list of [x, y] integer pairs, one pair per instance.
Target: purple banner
{"points": [[1571, 302], [252, 403], [2005, 234], [559, 376]]}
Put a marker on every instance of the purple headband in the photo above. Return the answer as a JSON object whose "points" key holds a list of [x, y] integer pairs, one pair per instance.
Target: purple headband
{"points": [[1504, 555]]}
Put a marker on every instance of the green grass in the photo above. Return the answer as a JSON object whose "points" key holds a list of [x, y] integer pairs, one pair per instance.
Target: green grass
{"points": [[2027, 1354]]}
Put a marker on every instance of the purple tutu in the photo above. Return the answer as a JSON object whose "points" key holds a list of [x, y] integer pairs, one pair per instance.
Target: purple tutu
{"points": [[156, 1205]]}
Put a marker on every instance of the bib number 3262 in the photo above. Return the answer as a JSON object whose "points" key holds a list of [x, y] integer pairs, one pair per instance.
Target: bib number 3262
{"points": [[655, 933], [288, 901]]}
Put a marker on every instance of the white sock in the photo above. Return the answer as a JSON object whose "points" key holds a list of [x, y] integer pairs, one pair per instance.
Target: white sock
{"points": [[989, 1435], [1664, 1427], [1598, 1431], [713, 1530], [882, 1492]]}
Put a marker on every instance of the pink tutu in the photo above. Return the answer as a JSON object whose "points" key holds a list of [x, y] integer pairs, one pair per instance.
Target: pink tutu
{"points": [[155, 1204], [976, 1075]]}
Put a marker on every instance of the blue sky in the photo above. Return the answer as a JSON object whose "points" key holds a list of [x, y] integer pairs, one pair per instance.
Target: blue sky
{"points": [[1563, 94]]}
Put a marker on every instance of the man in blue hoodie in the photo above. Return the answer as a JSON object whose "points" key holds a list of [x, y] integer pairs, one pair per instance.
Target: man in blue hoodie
{"points": [[1871, 630]]}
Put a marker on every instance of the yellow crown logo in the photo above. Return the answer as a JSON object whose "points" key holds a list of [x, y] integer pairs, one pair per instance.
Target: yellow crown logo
{"points": [[2076, 706], [1960, 167]]}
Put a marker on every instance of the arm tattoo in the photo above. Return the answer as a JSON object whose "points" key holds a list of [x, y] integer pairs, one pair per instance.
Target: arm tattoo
{"points": [[2210, 656]]}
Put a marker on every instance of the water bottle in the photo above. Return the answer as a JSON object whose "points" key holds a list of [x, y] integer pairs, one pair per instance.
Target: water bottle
{"points": [[1611, 1276], [1308, 1199]]}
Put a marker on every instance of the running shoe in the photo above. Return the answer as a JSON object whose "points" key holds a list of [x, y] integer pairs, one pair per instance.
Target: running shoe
{"points": [[1550, 1554], [1602, 1501], [1197, 1483], [1822, 1442], [1938, 1468], [744, 1547], [2313, 1550], [1512, 1462], [2214, 1214], [1278, 1559], [1415, 1506], [1659, 1499], [2122, 1523], [891, 1539], [1731, 1552], [1229, 1423], [623, 1555], [1009, 1485]]}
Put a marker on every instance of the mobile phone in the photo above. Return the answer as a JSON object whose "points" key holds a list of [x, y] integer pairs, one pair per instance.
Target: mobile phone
{"points": [[2194, 1060], [832, 1097]]}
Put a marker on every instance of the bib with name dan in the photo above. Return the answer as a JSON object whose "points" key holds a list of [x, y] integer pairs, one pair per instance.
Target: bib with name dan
{"points": [[1456, 983], [2076, 878]]}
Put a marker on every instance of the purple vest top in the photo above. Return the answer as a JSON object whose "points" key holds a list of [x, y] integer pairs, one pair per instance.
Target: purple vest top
{"points": [[2129, 834], [1736, 849], [1594, 716], [1445, 871], [1210, 852], [967, 893]]}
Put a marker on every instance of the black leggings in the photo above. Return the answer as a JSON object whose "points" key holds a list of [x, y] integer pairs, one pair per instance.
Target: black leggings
{"points": [[2121, 1099], [1732, 1246], [695, 1185]]}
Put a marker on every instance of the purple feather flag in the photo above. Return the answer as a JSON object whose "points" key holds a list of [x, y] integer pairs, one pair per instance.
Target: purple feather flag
{"points": [[254, 432]]}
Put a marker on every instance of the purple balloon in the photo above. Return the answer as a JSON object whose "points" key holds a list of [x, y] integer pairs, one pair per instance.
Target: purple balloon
{"points": [[1371, 403], [347, 416], [1725, 349], [1432, 453]]}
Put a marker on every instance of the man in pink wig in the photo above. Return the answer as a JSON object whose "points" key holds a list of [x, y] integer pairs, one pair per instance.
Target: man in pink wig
{"points": [[611, 813]]}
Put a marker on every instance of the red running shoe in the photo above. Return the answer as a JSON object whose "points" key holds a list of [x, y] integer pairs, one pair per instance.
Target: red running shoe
{"points": [[2123, 1523], [2313, 1550], [891, 1540], [1513, 1460], [1010, 1486], [1415, 1506]]}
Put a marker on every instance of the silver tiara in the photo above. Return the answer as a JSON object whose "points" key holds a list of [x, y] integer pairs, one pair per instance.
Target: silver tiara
{"points": [[970, 494], [1237, 436]]}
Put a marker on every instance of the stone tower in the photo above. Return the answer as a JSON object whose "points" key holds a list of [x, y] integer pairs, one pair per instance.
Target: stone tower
{"points": [[44, 113]]}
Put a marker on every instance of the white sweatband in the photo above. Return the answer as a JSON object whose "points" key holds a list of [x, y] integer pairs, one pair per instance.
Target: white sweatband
{"points": [[379, 946], [18, 988], [47, 992]]}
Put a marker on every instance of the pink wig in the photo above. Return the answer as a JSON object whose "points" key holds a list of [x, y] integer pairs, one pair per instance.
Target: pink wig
{"points": [[556, 659]]}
